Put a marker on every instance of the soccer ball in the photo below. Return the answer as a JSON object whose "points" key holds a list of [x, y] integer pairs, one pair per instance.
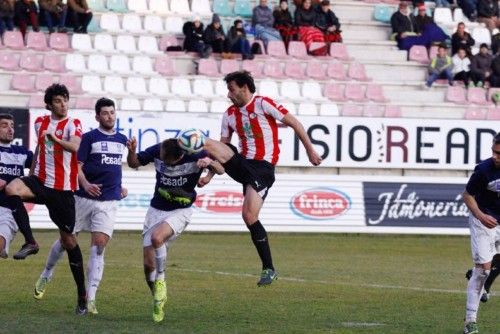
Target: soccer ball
{"points": [[191, 140]]}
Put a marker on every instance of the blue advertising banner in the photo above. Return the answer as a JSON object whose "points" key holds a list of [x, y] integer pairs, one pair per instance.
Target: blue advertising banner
{"points": [[414, 204]]}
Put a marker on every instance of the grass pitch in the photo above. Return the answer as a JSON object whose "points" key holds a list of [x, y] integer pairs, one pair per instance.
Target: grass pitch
{"points": [[328, 284]]}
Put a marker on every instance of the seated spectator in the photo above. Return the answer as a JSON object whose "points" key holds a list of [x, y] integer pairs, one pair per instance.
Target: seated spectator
{"points": [[495, 41], [283, 22], [298, 3], [403, 23], [6, 15], [263, 22], [215, 37], [26, 11], [481, 66], [54, 10], [495, 71], [443, 3], [422, 19], [305, 20], [440, 67], [80, 14], [461, 66], [328, 23], [487, 13], [193, 30], [469, 8], [237, 40], [461, 39]]}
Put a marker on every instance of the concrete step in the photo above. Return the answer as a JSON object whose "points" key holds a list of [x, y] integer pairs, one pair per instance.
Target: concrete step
{"points": [[352, 11], [361, 32], [401, 73], [361, 53], [417, 96]]}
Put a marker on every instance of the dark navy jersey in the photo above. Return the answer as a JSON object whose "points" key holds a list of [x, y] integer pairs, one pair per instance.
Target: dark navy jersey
{"points": [[13, 160], [101, 154], [175, 184], [484, 185]]}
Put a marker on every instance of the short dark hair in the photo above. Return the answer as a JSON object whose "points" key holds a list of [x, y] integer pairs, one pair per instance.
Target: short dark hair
{"points": [[496, 139], [443, 46], [170, 151], [484, 45], [241, 78], [7, 116], [103, 102], [55, 90]]}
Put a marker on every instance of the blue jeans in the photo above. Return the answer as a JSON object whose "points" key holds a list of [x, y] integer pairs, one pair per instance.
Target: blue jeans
{"points": [[267, 34], [50, 16], [469, 8], [6, 23], [241, 46], [445, 74]]}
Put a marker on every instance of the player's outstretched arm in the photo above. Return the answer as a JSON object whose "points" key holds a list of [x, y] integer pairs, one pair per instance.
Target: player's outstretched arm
{"points": [[132, 160], [294, 123], [486, 220]]}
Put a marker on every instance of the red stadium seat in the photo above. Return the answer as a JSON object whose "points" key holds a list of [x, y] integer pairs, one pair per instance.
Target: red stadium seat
{"points": [[316, 70], [9, 61], [334, 91], [71, 82], [493, 114], [83, 102], [273, 69], [339, 51], [30, 62], [276, 49], [208, 67], [456, 94], [23, 82], [335, 70], [392, 111], [165, 65], [229, 65], [373, 110], [252, 66], [297, 49], [54, 63], [375, 93], [59, 41], [357, 72], [43, 81], [418, 53], [476, 95], [36, 41], [36, 101], [13, 40], [293, 69], [355, 92], [352, 110], [475, 113]]}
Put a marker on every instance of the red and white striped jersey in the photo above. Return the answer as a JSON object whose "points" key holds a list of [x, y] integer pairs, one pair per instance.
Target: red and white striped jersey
{"points": [[55, 167], [255, 125]]}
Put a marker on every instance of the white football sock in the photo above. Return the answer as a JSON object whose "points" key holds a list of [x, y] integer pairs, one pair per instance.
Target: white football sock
{"points": [[161, 259], [95, 271], [55, 253], [474, 291]]}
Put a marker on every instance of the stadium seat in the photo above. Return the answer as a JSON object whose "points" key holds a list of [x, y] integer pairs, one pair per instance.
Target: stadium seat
{"points": [[375, 93], [222, 8], [272, 68], [81, 42], [456, 94], [30, 62], [352, 110], [71, 82], [23, 82], [98, 63], [491, 92], [334, 91], [154, 24], [221, 88], [357, 71], [96, 5], [152, 104], [138, 6], [290, 106], [143, 65], [91, 84], [118, 6], [329, 109], [373, 110], [93, 26], [208, 67], [392, 111], [180, 7], [165, 65], [276, 49], [197, 106], [475, 113], [476, 95], [119, 64], [125, 44], [148, 44], [53, 62], [131, 104], [318, 47], [36, 102], [181, 87], [339, 51], [59, 42], [84, 102], [104, 42], [13, 40], [268, 88], [419, 54], [493, 114], [243, 8], [307, 109], [335, 70], [36, 41], [458, 16], [481, 35], [383, 13], [160, 7], [9, 61], [442, 15], [110, 22], [355, 92], [201, 7], [136, 86], [42, 81], [316, 70], [253, 67], [297, 49], [294, 69], [219, 106], [290, 90], [175, 106], [312, 90], [158, 86], [203, 87], [114, 84], [75, 62], [228, 66], [173, 25], [168, 40], [132, 23]]}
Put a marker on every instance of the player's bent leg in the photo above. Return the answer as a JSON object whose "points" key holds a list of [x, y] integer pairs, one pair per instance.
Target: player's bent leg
{"points": [[495, 271], [55, 254], [3, 244], [218, 150], [149, 266], [95, 268], [474, 290], [75, 258]]}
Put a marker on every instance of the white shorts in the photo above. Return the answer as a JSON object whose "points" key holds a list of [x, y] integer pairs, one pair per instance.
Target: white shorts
{"points": [[8, 226], [95, 216], [485, 242], [177, 220]]}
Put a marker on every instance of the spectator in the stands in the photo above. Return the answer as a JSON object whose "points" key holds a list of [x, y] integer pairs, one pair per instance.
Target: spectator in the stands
{"points": [[237, 40], [443, 3], [461, 39], [283, 22], [403, 22], [461, 66], [481, 66], [263, 22], [193, 30], [26, 12], [305, 20], [215, 37], [80, 14], [54, 10], [422, 19], [298, 3], [469, 8], [495, 41], [440, 67], [328, 23], [495, 71], [487, 13], [6, 15]]}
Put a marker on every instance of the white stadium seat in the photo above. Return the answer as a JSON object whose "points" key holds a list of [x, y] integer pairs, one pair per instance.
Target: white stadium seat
{"points": [[138, 6], [152, 104], [142, 64], [201, 7], [110, 22], [290, 90], [175, 106], [203, 87], [197, 106], [148, 44], [180, 7], [159, 6], [268, 88], [104, 42], [81, 42], [132, 23], [126, 44], [307, 108], [136, 85], [91, 84], [219, 106], [119, 64], [329, 109], [159, 86], [173, 25], [181, 87], [154, 24], [221, 88], [75, 62], [290, 106], [130, 104], [114, 84], [98, 63], [312, 90]]}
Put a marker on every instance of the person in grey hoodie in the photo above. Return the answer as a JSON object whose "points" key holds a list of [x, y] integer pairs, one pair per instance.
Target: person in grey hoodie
{"points": [[481, 66], [263, 21]]}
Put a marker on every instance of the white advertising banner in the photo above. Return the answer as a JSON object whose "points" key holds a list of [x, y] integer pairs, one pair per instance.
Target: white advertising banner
{"points": [[342, 141]]}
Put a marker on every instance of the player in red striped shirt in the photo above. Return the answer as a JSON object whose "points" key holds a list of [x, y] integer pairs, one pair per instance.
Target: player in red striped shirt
{"points": [[55, 177], [253, 119]]}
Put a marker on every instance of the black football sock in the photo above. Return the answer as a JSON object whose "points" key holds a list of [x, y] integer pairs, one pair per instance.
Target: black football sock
{"points": [[21, 217], [259, 238], [76, 264], [495, 271]]}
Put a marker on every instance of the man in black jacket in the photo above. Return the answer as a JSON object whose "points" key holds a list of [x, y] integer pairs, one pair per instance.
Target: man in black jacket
{"points": [[403, 22], [193, 30], [215, 37], [328, 23]]}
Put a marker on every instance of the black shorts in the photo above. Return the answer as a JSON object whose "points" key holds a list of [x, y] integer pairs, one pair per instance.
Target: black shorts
{"points": [[60, 203], [259, 174]]}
